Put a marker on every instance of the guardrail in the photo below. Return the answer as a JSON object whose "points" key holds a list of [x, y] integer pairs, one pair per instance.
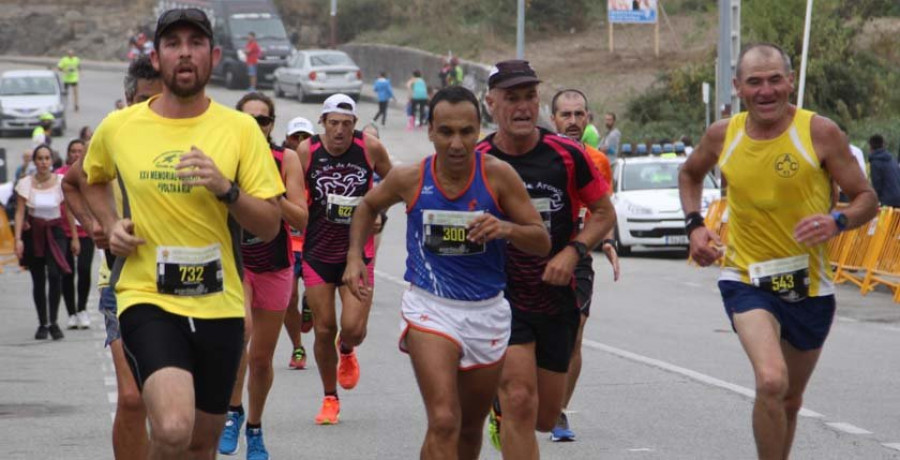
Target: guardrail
{"points": [[866, 256]]}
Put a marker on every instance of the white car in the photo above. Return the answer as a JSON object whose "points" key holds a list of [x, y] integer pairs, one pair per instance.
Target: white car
{"points": [[27, 94], [318, 73], [648, 208]]}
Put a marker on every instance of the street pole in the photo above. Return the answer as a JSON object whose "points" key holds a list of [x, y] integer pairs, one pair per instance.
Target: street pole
{"points": [[333, 24], [520, 30], [805, 54]]}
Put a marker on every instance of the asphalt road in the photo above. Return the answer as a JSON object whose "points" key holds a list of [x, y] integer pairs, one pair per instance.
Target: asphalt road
{"points": [[664, 377]]}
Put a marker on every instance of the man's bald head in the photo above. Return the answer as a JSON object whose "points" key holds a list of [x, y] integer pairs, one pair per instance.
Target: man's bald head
{"points": [[764, 51]]}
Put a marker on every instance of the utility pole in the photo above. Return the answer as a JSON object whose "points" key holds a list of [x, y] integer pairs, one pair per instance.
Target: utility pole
{"points": [[729, 49], [333, 24], [520, 30]]}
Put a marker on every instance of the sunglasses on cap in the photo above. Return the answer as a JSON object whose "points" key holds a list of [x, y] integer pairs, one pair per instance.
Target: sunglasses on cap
{"points": [[264, 120], [300, 135], [194, 14]]}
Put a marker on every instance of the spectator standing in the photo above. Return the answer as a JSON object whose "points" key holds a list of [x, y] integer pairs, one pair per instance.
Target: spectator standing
{"points": [[610, 142], [76, 306], [418, 96], [885, 172], [41, 133], [385, 93], [455, 74], [40, 242], [69, 65], [253, 52]]}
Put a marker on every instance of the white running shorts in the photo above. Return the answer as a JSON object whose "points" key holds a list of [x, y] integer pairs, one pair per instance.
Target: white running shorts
{"points": [[480, 329]]}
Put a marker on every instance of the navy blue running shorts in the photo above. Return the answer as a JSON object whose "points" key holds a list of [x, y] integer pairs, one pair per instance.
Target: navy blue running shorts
{"points": [[804, 324]]}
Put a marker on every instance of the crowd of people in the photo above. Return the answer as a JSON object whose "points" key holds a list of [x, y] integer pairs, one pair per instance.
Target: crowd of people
{"points": [[204, 246]]}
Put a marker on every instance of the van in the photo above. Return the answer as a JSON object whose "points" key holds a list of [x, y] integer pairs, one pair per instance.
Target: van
{"points": [[232, 20]]}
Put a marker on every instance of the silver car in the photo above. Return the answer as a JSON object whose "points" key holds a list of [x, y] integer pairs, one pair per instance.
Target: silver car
{"points": [[318, 73], [27, 94]]}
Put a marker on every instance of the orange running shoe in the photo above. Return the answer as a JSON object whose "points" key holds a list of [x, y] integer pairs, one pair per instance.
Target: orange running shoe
{"points": [[330, 412], [348, 370]]}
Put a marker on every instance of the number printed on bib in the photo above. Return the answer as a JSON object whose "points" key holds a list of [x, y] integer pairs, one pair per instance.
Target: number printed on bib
{"points": [[446, 232], [787, 278], [186, 271], [339, 208], [545, 209]]}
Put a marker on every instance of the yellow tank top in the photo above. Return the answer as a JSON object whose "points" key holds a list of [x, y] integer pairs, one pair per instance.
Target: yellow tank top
{"points": [[772, 185]]}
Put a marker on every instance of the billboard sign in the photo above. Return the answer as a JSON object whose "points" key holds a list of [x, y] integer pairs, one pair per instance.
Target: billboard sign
{"points": [[632, 11]]}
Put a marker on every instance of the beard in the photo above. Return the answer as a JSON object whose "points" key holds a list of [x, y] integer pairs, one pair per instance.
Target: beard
{"points": [[185, 91]]}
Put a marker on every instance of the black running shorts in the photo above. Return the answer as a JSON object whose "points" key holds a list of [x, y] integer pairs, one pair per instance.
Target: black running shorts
{"points": [[210, 349], [553, 334]]}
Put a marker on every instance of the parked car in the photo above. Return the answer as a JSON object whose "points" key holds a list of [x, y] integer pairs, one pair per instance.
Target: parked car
{"points": [[27, 94], [318, 73], [648, 208]]}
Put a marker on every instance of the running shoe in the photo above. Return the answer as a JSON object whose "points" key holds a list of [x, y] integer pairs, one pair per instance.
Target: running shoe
{"points": [[298, 358], [256, 449], [348, 370], [55, 332], [42, 333], [84, 321], [561, 432], [330, 412], [72, 323], [307, 317], [494, 418], [228, 443]]}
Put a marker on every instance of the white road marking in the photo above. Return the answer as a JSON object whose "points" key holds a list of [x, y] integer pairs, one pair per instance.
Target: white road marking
{"points": [[892, 445], [848, 428], [391, 278], [112, 397], [109, 381], [641, 449], [691, 374]]}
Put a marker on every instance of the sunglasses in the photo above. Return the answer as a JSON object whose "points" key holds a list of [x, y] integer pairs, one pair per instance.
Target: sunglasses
{"points": [[301, 136], [193, 14], [264, 120]]}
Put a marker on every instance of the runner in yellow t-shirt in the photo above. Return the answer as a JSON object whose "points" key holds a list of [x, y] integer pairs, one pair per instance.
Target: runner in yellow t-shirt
{"points": [[69, 65], [190, 171], [776, 283]]}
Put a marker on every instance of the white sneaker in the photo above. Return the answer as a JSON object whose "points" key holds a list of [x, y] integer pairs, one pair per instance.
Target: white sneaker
{"points": [[84, 321], [73, 322]]}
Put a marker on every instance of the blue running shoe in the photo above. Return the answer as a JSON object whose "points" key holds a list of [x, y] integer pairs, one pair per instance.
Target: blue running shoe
{"points": [[228, 443], [256, 449], [561, 432]]}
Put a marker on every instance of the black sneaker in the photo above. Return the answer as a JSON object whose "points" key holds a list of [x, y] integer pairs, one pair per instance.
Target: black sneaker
{"points": [[41, 333], [55, 332]]}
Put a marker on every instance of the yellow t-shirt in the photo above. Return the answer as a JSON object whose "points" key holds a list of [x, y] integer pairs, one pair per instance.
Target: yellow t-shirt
{"points": [[69, 67], [772, 185], [187, 266]]}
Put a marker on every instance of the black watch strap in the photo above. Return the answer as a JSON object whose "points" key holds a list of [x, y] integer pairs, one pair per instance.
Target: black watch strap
{"points": [[693, 221], [231, 195], [580, 248]]}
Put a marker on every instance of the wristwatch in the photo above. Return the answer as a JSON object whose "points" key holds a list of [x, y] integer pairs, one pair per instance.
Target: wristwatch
{"points": [[580, 248], [841, 220], [231, 195], [692, 221]]}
